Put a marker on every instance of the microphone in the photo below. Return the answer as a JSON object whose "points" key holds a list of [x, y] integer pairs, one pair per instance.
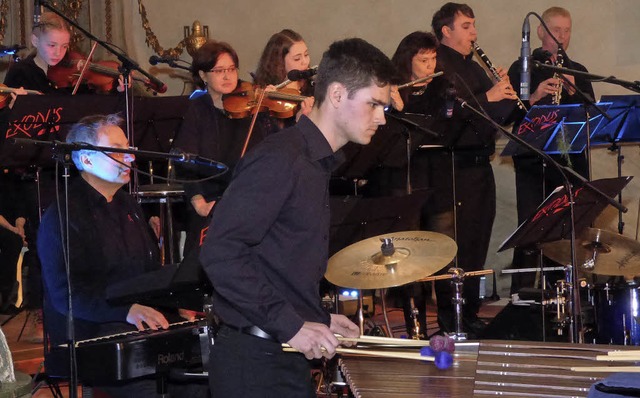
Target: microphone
{"points": [[11, 49], [157, 85], [449, 101], [154, 60], [295, 74], [525, 55], [37, 11]]}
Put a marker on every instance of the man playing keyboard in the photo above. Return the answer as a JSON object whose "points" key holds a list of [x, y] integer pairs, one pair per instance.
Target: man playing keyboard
{"points": [[109, 241]]}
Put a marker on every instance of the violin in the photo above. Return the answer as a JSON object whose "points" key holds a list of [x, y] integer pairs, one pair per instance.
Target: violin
{"points": [[99, 76], [5, 94], [243, 102]]}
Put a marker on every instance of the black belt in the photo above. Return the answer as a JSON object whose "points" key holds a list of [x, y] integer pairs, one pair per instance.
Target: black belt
{"points": [[252, 331]]}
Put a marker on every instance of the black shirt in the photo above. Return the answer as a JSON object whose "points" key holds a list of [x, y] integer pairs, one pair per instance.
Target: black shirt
{"points": [[109, 242], [29, 75], [468, 131], [267, 246], [208, 132]]}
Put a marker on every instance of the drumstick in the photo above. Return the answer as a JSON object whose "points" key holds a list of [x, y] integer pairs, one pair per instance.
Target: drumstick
{"points": [[373, 353], [384, 340], [438, 343], [629, 369], [623, 353], [631, 357]]}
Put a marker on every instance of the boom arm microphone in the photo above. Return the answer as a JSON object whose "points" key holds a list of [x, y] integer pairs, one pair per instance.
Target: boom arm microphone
{"points": [[295, 74], [155, 60]]}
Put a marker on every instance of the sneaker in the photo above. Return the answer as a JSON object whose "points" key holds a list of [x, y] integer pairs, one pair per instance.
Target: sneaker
{"points": [[34, 331]]}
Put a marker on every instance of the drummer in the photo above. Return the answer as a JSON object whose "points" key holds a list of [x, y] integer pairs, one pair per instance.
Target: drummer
{"points": [[267, 246]]}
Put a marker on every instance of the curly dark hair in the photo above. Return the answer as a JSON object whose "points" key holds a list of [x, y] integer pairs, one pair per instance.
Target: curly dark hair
{"points": [[271, 65], [207, 56]]}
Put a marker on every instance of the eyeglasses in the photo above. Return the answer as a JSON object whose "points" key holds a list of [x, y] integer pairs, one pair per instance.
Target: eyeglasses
{"points": [[221, 71]]}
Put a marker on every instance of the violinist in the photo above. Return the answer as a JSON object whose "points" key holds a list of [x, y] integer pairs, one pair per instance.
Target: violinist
{"points": [[50, 37], [208, 132], [284, 52]]}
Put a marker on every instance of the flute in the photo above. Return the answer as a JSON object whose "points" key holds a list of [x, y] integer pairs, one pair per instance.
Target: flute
{"points": [[420, 80], [494, 72]]}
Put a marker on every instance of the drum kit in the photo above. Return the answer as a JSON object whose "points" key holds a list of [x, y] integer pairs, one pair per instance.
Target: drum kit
{"points": [[615, 305], [395, 259]]}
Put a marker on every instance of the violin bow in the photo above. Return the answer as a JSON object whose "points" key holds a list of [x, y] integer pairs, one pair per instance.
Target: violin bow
{"points": [[253, 123], [84, 68]]}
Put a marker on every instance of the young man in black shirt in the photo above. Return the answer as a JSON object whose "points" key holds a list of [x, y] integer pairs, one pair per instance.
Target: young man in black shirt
{"points": [[267, 246], [470, 141]]}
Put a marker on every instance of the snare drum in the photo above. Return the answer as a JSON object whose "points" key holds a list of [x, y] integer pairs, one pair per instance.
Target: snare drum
{"points": [[617, 313]]}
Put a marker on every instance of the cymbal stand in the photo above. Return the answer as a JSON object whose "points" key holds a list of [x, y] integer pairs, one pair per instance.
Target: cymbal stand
{"points": [[417, 333], [361, 312], [457, 281]]}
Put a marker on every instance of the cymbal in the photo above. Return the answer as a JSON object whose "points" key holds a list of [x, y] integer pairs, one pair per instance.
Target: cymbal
{"points": [[408, 256], [599, 252]]}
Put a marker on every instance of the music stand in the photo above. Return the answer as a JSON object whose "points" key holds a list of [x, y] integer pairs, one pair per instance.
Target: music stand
{"points": [[41, 118], [624, 126], [622, 129], [551, 220], [391, 147], [555, 129], [155, 124]]}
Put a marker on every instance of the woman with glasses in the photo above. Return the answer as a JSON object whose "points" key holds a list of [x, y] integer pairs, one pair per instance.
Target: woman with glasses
{"points": [[208, 131]]}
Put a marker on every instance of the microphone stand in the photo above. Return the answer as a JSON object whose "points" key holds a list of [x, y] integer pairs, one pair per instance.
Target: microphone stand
{"points": [[173, 64], [182, 157], [571, 271], [405, 131], [63, 156], [632, 86]]}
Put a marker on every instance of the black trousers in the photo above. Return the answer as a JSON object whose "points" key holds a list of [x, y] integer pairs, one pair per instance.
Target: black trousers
{"points": [[476, 210], [246, 366]]}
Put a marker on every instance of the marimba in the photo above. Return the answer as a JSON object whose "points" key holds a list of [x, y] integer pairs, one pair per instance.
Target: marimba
{"points": [[481, 369]]}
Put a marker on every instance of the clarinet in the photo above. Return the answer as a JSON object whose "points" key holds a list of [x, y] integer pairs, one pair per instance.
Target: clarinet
{"points": [[494, 71]]}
